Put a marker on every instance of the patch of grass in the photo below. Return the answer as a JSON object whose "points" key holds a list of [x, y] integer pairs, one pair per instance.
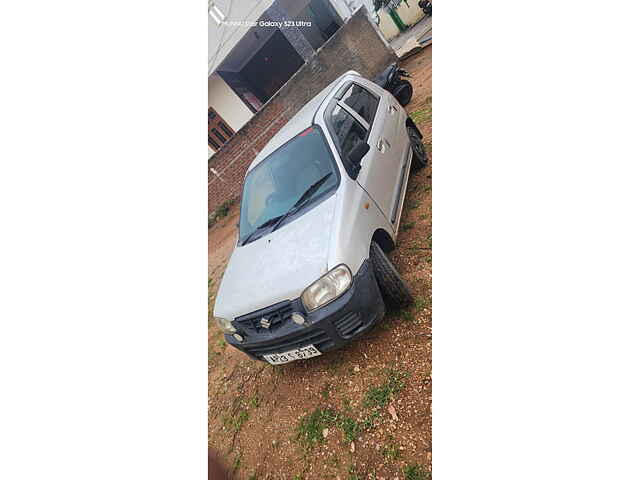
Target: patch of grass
{"points": [[254, 402], [325, 391], [346, 403], [406, 315], [392, 452], [424, 216], [220, 212], [253, 476], [235, 423], [298, 477], [350, 428], [236, 465], [421, 116], [310, 427], [240, 420], [413, 204], [353, 474], [223, 209], [407, 226], [221, 343], [379, 397], [212, 355], [422, 303], [415, 471], [368, 422]]}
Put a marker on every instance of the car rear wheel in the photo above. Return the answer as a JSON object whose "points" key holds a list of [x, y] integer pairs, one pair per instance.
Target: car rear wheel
{"points": [[420, 155], [394, 290], [403, 92]]}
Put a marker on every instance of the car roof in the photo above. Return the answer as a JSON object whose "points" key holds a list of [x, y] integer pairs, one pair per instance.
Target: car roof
{"points": [[301, 120]]}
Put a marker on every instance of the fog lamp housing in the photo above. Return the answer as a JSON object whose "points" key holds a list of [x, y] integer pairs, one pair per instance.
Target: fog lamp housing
{"points": [[297, 318]]}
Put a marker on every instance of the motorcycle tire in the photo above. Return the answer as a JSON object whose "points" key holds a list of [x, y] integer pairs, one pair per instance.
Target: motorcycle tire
{"points": [[403, 92]]}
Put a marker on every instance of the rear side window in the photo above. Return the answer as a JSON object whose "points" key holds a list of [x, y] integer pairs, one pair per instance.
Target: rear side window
{"points": [[364, 103], [346, 129]]}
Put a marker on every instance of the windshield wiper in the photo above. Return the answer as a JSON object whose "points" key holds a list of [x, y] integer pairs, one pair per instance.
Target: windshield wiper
{"points": [[296, 206], [260, 227], [304, 198]]}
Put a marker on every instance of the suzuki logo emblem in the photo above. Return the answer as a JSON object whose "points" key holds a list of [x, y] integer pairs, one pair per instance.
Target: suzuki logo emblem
{"points": [[265, 322]]}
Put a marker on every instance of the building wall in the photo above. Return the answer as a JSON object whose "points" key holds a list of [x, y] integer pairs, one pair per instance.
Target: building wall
{"points": [[387, 25], [359, 47], [227, 103], [222, 38], [341, 9], [410, 14], [346, 8]]}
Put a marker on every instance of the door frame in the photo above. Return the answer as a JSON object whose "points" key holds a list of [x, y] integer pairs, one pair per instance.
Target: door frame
{"points": [[219, 131]]}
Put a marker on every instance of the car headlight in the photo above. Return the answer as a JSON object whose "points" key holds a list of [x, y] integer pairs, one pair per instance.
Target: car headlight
{"points": [[327, 288], [225, 325]]}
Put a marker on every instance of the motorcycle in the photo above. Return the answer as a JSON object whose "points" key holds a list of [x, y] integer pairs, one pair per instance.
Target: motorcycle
{"points": [[393, 80], [425, 6]]}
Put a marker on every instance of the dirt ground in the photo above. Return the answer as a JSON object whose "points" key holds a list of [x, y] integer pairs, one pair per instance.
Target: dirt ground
{"points": [[362, 412]]}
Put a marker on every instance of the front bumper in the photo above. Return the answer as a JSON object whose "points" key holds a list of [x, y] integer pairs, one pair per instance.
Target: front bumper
{"points": [[327, 328]]}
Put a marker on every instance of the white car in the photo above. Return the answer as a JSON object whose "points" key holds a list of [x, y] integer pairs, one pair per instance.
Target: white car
{"points": [[320, 209]]}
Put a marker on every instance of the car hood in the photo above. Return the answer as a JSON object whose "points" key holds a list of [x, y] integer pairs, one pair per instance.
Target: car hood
{"points": [[277, 266]]}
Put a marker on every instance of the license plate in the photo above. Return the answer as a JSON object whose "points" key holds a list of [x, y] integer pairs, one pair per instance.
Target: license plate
{"points": [[296, 354]]}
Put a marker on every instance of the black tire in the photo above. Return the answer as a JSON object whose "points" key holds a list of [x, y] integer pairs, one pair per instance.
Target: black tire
{"points": [[394, 290], [420, 155], [403, 92]]}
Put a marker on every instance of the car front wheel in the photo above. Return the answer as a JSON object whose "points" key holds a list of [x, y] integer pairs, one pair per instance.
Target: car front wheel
{"points": [[395, 291]]}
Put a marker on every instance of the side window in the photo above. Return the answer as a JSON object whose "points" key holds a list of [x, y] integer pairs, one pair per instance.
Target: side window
{"points": [[363, 102], [347, 130]]}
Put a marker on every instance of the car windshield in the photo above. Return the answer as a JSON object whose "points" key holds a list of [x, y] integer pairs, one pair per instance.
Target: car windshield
{"points": [[279, 181]]}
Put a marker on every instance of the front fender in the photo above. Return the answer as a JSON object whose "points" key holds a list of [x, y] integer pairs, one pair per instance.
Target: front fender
{"points": [[355, 221]]}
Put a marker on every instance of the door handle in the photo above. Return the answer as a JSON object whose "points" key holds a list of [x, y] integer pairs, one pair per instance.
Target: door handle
{"points": [[382, 144], [392, 110]]}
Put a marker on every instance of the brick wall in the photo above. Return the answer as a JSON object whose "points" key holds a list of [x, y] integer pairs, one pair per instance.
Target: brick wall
{"points": [[355, 46]]}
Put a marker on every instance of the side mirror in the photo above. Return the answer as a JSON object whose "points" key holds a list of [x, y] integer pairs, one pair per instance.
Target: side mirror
{"points": [[356, 155]]}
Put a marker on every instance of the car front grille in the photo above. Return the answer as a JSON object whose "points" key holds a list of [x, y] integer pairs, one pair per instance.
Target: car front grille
{"points": [[349, 325], [274, 316], [310, 336]]}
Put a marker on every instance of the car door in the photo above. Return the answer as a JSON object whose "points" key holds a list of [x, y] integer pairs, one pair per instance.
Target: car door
{"points": [[396, 140], [361, 114]]}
